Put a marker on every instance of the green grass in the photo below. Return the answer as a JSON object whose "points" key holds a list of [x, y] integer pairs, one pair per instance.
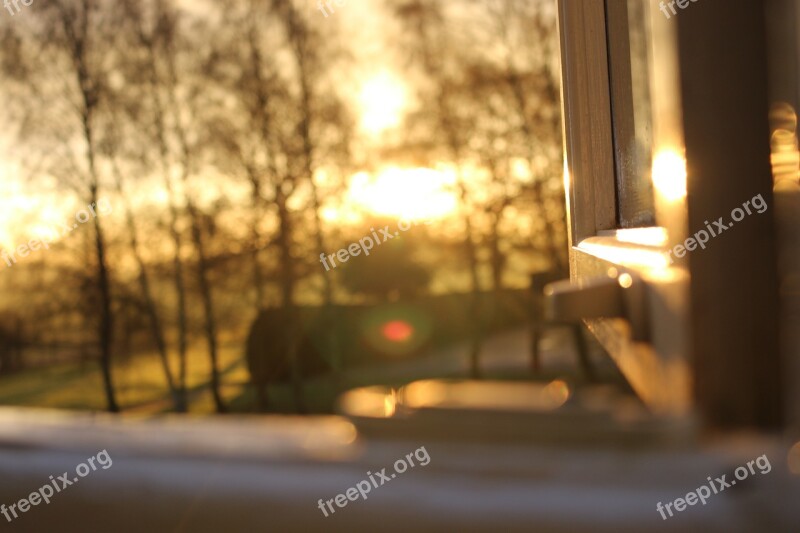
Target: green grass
{"points": [[139, 382], [142, 390], [141, 387]]}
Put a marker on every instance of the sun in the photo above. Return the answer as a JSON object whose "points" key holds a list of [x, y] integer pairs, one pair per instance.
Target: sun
{"points": [[382, 102], [411, 193], [25, 215]]}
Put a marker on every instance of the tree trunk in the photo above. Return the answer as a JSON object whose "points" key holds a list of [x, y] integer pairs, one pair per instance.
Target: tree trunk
{"points": [[178, 278], [210, 324], [297, 33], [476, 332], [180, 289], [255, 238], [106, 326], [497, 259], [287, 299], [329, 322], [476, 340], [149, 302], [106, 332]]}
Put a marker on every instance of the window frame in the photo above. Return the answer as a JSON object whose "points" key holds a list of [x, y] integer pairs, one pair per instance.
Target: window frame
{"points": [[656, 370], [711, 352]]}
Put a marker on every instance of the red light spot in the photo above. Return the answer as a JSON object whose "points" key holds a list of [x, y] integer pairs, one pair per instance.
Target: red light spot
{"points": [[397, 330]]}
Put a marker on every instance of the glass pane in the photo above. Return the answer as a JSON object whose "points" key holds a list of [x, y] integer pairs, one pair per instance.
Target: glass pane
{"points": [[629, 38], [639, 33]]}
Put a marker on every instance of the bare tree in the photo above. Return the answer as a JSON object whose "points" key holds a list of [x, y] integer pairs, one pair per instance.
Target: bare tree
{"points": [[425, 21], [71, 44], [172, 90], [252, 138], [186, 160], [145, 286], [149, 24], [259, 136], [283, 128], [323, 127], [526, 34]]}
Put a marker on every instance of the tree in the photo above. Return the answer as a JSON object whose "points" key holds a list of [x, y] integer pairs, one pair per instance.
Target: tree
{"points": [[437, 56], [149, 36], [391, 271], [176, 94], [323, 127], [65, 60]]}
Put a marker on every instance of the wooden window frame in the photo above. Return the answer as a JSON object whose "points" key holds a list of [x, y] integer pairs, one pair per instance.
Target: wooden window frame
{"points": [[713, 351]]}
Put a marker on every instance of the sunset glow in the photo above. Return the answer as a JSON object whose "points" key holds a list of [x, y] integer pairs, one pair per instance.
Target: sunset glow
{"points": [[382, 99], [25, 215], [413, 193]]}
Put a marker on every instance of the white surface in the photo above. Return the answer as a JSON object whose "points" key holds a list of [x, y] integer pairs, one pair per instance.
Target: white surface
{"points": [[463, 488]]}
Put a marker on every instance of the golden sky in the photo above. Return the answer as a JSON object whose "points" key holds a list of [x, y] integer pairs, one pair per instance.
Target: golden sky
{"points": [[375, 88]]}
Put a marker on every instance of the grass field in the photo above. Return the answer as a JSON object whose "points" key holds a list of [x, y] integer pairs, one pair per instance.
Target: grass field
{"points": [[141, 388], [139, 381]]}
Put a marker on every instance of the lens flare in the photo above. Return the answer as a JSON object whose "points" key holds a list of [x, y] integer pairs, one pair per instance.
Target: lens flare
{"points": [[397, 330]]}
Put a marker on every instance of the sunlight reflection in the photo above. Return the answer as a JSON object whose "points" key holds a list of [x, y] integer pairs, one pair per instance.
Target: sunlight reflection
{"points": [[794, 459], [627, 256], [390, 404], [486, 395], [386, 402], [653, 236], [785, 154], [370, 402], [625, 280], [669, 175]]}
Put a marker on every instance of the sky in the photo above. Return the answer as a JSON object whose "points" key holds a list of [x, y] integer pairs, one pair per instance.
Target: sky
{"points": [[376, 88]]}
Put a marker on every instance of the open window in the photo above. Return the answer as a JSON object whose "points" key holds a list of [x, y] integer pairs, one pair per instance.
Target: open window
{"points": [[651, 160]]}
